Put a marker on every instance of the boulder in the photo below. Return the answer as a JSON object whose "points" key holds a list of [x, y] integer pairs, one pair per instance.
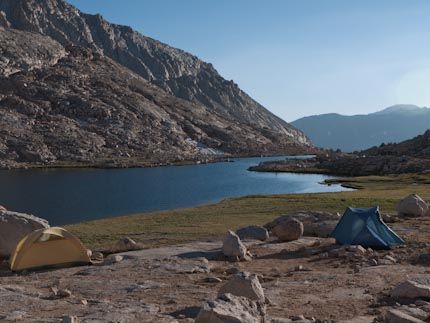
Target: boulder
{"points": [[15, 226], [415, 311], [411, 289], [304, 217], [253, 232], [396, 316], [231, 309], [289, 230], [244, 285], [2, 208], [124, 245], [319, 229], [316, 224], [412, 205], [233, 247]]}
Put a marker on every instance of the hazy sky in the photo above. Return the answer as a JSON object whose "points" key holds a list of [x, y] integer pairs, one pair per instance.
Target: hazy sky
{"points": [[297, 57]]}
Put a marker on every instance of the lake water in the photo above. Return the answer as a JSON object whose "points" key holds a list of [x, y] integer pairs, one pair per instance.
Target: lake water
{"points": [[72, 195]]}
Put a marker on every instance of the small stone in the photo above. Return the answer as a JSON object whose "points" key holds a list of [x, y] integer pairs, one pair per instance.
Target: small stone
{"points": [[323, 255], [385, 262], [232, 271], [64, 293], [390, 258], [69, 319], [298, 318], [113, 259], [373, 262], [53, 290], [357, 249], [213, 280], [97, 256], [84, 302], [125, 244]]}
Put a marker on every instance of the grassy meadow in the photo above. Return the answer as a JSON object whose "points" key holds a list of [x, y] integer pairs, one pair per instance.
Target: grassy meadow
{"points": [[209, 221]]}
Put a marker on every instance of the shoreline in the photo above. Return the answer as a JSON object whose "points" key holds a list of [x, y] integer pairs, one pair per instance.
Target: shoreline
{"points": [[208, 221], [129, 163]]}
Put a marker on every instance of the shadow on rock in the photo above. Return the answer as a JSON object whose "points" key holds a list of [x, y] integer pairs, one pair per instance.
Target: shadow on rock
{"points": [[187, 312]]}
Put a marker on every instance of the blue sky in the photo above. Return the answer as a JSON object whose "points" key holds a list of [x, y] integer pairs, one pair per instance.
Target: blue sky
{"points": [[297, 57]]}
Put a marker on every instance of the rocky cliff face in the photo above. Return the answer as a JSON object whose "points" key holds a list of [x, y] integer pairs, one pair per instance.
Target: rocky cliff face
{"points": [[74, 105], [119, 93]]}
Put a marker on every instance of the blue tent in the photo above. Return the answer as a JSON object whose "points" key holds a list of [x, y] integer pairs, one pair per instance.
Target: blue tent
{"points": [[364, 226]]}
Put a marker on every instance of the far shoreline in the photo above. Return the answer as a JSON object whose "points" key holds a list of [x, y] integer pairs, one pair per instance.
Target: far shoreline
{"points": [[131, 164]]}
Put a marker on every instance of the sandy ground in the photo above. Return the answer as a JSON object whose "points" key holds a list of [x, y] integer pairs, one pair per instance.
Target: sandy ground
{"points": [[169, 284]]}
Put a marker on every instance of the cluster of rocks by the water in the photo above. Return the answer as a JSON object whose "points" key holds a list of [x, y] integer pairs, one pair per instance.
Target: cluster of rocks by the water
{"points": [[257, 274]]}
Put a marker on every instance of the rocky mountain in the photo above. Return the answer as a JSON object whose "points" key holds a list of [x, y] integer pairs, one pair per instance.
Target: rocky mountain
{"points": [[418, 147], [409, 156], [358, 132], [66, 105], [76, 88]]}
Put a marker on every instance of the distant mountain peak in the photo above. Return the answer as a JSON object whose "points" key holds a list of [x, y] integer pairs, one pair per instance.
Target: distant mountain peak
{"points": [[393, 124], [402, 108]]}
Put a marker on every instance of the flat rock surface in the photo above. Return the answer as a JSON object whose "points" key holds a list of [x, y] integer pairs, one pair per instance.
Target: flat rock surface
{"points": [[310, 277]]}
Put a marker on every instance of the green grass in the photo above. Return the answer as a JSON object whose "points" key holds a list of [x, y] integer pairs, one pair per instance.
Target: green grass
{"points": [[208, 221]]}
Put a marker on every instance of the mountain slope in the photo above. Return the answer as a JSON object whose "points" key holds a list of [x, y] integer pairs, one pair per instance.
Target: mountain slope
{"points": [[349, 133], [72, 105], [409, 156], [175, 71]]}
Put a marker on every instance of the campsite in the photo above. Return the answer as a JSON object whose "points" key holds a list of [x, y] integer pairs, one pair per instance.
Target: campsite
{"points": [[196, 161], [312, 278]]}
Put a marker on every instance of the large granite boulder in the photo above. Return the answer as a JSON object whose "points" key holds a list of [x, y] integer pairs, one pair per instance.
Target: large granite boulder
{"points": [[316, 224], [411, 289], [15, 226], [289, 230], [397, 316], [244, 285], [412, 205], [232, 309], [253, 232], [233, 248]]}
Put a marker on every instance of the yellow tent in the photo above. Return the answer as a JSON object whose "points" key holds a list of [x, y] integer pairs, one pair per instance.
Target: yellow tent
{"points": [[48, 247]]}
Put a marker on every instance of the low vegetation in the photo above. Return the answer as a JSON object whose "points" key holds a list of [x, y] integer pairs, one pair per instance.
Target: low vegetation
{"points": [[210, 221]]}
